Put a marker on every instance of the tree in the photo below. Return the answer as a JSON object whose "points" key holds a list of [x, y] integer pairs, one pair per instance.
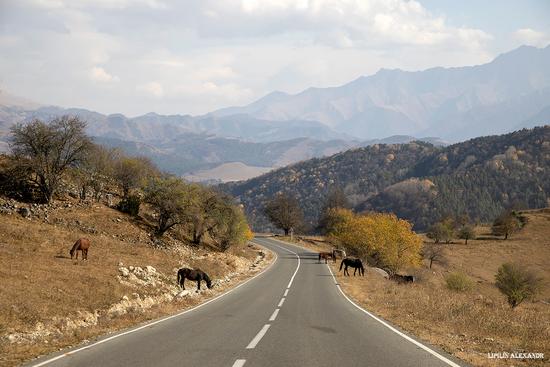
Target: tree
{"points": [[171, 199], [48, 150], [466, 232], [95, 170], [386, 240], [433, 253], [232, 230], [336, 199], [284, 212], [132, 172], [516, 283], [506, 224], [441, 231], [210, 211]]}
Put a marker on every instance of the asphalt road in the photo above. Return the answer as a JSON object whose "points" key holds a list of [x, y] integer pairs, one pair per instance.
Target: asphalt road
{"points": [[293, 314]]}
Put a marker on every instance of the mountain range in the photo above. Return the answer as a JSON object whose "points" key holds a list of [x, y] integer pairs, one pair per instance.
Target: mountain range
{"points": [[453, 104], [478, 178]]}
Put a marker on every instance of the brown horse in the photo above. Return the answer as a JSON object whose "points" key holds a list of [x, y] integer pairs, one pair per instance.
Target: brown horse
{"points": [[326, 256], [82, 244]]}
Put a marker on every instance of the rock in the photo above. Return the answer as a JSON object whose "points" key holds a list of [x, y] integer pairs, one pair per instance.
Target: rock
{"points": [[125, 298], [183, 293], [150, 269], [381, 272], [123, 271]]}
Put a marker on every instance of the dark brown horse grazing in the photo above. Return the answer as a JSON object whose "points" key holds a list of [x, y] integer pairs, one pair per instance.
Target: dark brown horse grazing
{"points": [[354, 263], [326, 256], [191, 274], [82, 244]]}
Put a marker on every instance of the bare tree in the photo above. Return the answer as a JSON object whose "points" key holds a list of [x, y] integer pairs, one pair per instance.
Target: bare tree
{"points": [[433, 253], [284, 212], [48, 150]]}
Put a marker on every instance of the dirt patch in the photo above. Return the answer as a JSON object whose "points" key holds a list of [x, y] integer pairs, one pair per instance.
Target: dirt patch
{"points": [[49, 301]]}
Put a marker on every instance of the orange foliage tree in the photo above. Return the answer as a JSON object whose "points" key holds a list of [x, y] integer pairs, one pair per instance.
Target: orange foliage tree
{"points": [[387, 241]]}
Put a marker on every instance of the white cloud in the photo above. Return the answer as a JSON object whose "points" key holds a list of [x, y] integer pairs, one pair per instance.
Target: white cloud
{"points": [[528, 36], [98, 74], [154, 89], [198, 55]]}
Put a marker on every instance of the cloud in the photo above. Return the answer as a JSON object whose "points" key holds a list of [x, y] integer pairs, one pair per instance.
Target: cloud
{"points": [[195, 56], [154, 89], [348, 23], [528, 36], [98, 74]]}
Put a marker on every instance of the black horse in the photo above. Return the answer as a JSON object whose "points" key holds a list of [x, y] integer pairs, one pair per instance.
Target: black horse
{"points": [[354, 263], [191, 274]]}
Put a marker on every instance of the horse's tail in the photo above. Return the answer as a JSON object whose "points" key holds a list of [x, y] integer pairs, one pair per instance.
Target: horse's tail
{"points": [[341, 264]]}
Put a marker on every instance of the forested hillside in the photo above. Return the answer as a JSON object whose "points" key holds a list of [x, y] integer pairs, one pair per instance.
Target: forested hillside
{"points": [[417, 181]]}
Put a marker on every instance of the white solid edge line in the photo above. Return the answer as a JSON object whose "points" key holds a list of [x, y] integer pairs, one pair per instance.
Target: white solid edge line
{"points": [[274, 315], [258, 337], [154, 322], [418, 344], [281, 302], [297, 256], [239, 363]]}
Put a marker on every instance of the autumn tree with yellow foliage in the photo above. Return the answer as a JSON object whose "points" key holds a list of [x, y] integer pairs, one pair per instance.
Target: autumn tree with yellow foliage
{"points": [[385, 240]]}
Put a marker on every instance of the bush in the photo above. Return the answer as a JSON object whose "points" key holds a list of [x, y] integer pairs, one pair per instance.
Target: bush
{"points": [[458, 282], [130, 205], [516, 283]]}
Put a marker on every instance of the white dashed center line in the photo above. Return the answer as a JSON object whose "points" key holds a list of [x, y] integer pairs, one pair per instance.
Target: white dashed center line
{"points": [[281, 302], [258, 337], [274, 315], [286, 293]]}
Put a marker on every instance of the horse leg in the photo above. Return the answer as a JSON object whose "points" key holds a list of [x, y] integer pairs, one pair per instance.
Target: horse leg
{"points": [[346, 270], [182, 283], [199, 284], [85, 254]]}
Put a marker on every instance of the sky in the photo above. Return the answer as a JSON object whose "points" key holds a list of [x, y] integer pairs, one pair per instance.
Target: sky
{"points": [[193, 57]]}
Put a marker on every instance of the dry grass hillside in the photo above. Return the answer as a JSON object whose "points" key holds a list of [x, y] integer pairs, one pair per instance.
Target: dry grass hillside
{"points": [[49, 301], [475, 322]]}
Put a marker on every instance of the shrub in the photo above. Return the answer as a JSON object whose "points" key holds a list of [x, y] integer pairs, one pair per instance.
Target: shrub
{"points": [[516, 283], [130, 205], [458, 282]]}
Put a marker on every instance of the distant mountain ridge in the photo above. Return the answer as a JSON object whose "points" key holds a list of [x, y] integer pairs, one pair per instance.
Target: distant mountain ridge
{"points": [[417, 181], [452, 103]]}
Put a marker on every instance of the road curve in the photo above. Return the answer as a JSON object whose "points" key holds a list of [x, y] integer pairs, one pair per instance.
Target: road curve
{"points": [[293, 314]]}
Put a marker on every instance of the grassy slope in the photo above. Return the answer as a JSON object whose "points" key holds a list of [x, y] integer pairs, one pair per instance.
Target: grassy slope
{"points": [[474, 323], [40, 283]]}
